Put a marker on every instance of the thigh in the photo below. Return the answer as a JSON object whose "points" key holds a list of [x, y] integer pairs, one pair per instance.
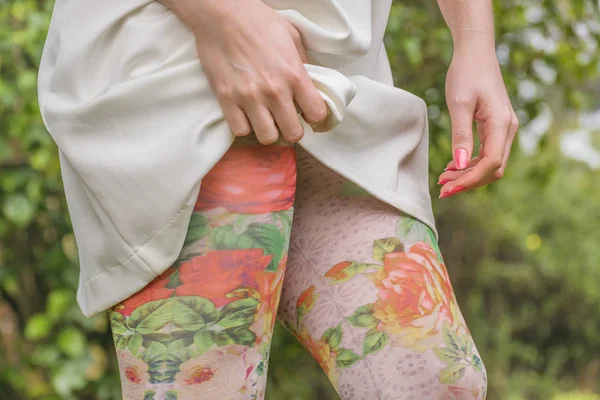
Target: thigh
{"points": [[368, 294], [203, 328]]}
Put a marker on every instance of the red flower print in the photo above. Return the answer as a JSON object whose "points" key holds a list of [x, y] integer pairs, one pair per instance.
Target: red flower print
{"points": [[307, 299], [415, 298], [221, 272], [155, 290], [251, 180], [338, 272]]}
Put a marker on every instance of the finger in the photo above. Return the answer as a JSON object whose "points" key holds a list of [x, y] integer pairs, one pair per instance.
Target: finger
{"points": [[297, 38], [314, 109], [286, 118], [236, 119], [461, 116], [453, 174], [262, 122], [495, 131], [514, 126]]}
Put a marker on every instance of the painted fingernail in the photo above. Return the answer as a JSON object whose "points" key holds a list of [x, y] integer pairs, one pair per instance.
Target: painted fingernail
{"points": [[443, 181], [460, 156], [457, 189], [445, 194], [450, 169]]}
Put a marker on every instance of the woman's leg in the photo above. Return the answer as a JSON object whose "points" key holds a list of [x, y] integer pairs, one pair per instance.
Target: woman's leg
{"points": [[202, 330], [367, 293]]}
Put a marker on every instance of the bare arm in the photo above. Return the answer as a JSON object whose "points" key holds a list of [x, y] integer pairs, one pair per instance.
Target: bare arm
{"points": [[475, 91], [253, 59]]}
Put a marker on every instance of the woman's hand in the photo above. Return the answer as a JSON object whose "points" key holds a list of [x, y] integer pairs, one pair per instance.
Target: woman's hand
{"points": [[253, 59], [475, 91]]}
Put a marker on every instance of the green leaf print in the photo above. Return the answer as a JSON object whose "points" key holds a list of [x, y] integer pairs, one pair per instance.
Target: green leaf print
{"points": [[178, 348], [452, 373], [477, 363], [148, 395], [224, 237], [374, 341], [153, 350], [171, 395], [456, 344], [447, 355], [363, 317], [271, 240], [135, 343], [163, 368], [197, 229], [285, 218], [346, 358], [238, 313], [203, 340], [186, 313], [434, 244], [241, 335], [388, 245], [123, 342], [333, 336], [118, 327]]}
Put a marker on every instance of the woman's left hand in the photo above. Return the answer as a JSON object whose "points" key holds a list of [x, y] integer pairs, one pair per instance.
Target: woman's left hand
{"points": [[475, 91]]}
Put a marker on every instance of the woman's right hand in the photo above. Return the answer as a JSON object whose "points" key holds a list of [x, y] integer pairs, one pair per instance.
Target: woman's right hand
{"points": [[253, 59]]}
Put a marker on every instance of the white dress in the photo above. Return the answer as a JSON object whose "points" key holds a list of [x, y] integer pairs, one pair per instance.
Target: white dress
{"points": [[124, 96]]}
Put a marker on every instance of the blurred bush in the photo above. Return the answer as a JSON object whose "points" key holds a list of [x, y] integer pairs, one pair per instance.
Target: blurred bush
{"points": [[523, 253]]}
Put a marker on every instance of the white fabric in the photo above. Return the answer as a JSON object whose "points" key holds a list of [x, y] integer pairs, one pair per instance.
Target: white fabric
{"points": [[124, 96]]}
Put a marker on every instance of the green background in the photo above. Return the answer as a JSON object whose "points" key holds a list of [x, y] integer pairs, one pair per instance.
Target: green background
{"points": [[523, 253]]}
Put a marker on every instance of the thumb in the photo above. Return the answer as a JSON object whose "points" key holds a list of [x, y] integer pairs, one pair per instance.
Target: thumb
{"points": [[462, 134]]}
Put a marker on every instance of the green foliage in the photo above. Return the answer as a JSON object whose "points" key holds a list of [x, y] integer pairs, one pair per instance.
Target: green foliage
{"points": [[522, 253]]}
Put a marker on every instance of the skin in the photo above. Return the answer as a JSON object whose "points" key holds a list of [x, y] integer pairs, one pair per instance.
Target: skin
{"points": [[262, 85]]}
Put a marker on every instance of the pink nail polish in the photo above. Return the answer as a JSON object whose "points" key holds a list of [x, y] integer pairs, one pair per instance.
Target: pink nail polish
{"points": [[444, 181], [457, 189], [445, 194], [460, 157]]}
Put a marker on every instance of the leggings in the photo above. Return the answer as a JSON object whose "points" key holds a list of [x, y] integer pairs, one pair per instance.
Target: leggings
{"points": [[360, 284]]}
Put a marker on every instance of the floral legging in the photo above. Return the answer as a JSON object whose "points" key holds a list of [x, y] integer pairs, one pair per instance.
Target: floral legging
{"points": [[362, 286]]}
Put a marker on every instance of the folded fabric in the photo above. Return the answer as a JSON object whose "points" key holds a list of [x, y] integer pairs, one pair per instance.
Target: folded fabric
{"points": [[125, 98]]}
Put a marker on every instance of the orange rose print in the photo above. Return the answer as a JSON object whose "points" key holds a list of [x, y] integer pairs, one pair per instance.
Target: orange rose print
{"points": [[415, 298], [155, 290], [251, 180], [220, 272]]}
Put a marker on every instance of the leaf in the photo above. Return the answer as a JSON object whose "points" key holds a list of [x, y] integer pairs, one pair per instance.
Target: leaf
{"points": [[241, 335], [345, 270], [123, 342], [388, 245], [187, 312], [285, 217], [238, 313], [203, 340], [171, 395], [163, 368], [178, 348], [477, 363], [148, 395], [153, 350], [271, 240], [223, 237], [346, 358], [454, 343], [363, 317], [374, 341], [118, 326], [135, 342], [197, 229], [452, 373], [446, 355], [333, 336]]}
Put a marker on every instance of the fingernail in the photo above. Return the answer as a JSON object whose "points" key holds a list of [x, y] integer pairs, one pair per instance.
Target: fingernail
{"points": [[445, 194], [460, 157], [450, 169], [444, 181], [457, 189]]}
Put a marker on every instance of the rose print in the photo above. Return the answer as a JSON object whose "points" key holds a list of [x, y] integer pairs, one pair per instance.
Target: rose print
{"points": [[134, 375], [220, 373], [220, 272], [269, 289], [414, 299], [251, 180], [459, 393]]}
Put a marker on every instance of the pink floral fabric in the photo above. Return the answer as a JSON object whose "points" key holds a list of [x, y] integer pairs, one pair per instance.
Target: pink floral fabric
{"points": [[363, 287]]}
